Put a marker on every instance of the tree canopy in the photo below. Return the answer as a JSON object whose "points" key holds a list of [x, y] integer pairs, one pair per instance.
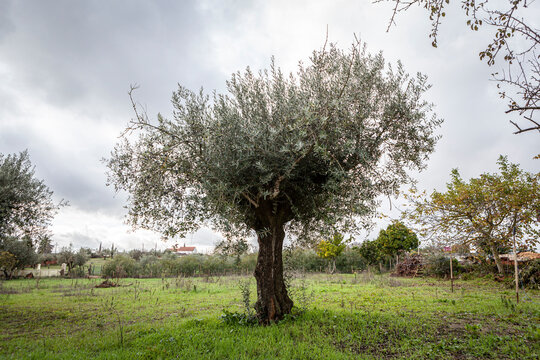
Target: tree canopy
{"points": [[483, 211], [71, 258], [370, 250], [26, 205], [16, 254], [330, 249], [397, 238], [310, 151], [327, 142]]}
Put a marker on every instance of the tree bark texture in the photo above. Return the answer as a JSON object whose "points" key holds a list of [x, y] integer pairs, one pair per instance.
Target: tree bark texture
{"points": [[496, 257], [273, 302]]}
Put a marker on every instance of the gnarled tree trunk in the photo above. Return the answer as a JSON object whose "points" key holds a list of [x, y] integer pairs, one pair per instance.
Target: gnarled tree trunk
{"points": [[273, 302], [495, 253]]}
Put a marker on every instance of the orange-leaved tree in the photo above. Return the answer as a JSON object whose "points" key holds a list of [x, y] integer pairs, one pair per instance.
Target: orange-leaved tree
{"points": [[483, 211]]}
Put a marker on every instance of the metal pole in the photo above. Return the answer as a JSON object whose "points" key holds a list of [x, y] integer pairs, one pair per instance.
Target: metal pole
{"points": [[516, 267]]}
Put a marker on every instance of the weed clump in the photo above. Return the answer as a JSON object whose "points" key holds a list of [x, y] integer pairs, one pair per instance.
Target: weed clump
{"points": [[247, 317]]}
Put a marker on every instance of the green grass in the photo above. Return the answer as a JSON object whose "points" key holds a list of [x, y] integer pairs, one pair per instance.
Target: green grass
{"points": [[349, 317], [96, 261]]}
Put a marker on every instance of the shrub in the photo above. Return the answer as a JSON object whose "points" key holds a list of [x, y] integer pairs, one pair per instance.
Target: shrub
{"points": [[299, 259], [530, 275], [136, 254], [150, 266], [248, 262], [121, 266], [440, 266], [350, 259], [216, 265]]}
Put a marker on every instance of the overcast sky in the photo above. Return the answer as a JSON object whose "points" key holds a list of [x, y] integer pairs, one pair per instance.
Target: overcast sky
{"points": [[66, 67]]}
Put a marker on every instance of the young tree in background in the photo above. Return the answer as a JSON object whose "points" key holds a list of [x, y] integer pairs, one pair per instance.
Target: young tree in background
{"points": [[44, 243], [67, 256], [304, 153], [397, 238], [516, 40], [331, 249], [81, 257], [371, 252], [483, 211], [72, 258]]}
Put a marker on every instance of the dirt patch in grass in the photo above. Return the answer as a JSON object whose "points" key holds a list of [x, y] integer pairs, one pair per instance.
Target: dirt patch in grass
{"points": [[474, 325], [107, 284]]}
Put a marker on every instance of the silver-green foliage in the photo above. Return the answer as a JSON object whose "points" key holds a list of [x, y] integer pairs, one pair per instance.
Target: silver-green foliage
{"points": [[325, 142]]}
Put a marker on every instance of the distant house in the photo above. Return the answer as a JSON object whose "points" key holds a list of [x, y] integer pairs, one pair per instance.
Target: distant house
{"points": [[183, 250]]}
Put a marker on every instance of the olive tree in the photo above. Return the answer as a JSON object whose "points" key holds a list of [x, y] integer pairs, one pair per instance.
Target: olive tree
{"points": [[16, 254], [304, 153], [71, 258], [26, 205]]}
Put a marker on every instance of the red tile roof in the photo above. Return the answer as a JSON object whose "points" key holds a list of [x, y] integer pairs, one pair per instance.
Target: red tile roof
{"points": [[183, 248]]}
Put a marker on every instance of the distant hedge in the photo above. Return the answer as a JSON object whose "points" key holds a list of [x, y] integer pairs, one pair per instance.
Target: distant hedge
{"points": [[148, 265]]}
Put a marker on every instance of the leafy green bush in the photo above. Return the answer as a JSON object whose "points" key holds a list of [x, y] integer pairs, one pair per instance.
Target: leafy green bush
{"points": [[248, 262], [136, 254], [350, 259], [299, 259], [188, 265], [171, 265], [530, 275], [150, 266], [22, 250], [440, 266], [121, 266]]}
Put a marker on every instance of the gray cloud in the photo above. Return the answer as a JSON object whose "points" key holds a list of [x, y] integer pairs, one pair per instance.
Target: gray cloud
{"points": [[80, 57], [85, 54], [6, 23], [77, 240]]}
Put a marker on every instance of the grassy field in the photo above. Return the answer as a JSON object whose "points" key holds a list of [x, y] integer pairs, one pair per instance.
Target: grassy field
{"points": [[346, 317]]}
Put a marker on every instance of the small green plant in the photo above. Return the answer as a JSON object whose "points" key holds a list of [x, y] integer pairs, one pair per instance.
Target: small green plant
{"points": [[245, 289], [302, 298], [439, 266], [474, 330], [185, 284], [238, 318], [248, 316], [136, 290], [508, 303], [4, 294], [111, 307]]}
